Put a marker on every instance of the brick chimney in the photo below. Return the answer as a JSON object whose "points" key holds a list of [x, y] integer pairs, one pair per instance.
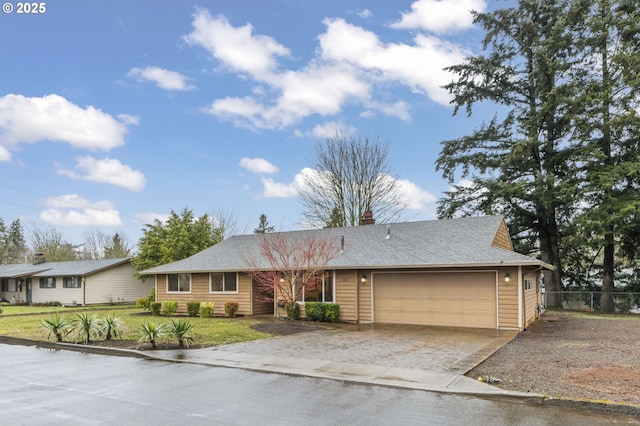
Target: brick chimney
{"points": [[367, 219], [39, 258]]}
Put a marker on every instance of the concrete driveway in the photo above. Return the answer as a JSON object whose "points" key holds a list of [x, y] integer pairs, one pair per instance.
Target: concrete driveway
{"points": [[435, 349]]}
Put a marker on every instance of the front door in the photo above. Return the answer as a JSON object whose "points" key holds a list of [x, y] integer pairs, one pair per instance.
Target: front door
{"points": [[29, 290]]}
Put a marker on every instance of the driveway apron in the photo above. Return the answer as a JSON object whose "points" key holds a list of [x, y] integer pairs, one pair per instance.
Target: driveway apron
{"points": [[434, 349]]}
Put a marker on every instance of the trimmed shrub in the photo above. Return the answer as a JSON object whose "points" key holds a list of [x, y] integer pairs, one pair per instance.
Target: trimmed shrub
{"points": [[322, 312], [169, 307], [314, 311], [193, 308], [331, 312], [206, 309], [154, 308], [293, 310], [230, 309], [142, 303]]}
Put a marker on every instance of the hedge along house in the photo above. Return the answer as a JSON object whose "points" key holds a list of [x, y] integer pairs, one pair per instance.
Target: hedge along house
{"points": [[459, 272], [82, 282]]}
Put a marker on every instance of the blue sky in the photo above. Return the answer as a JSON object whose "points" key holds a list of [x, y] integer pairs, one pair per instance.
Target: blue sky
{"points": [[113, 113]]}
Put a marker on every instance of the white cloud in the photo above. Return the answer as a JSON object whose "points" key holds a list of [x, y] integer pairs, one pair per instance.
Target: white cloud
{"points": [[150, 217], [316, 89], [440, 16], [74, 210], [129, 119], [272, 189], [341, 73], [415, 197], [258, 165], [235, 47], [419, 66], [107, 170], [331, 129], [53, 118], [364, 13], [164, 79]]}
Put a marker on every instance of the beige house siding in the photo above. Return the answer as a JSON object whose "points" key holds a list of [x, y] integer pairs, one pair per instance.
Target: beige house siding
{"points": [[114, 285], [346, 282], [200, 293], [502, 238], [531, 300], [365, 313], [508, 299], [59, 294]]}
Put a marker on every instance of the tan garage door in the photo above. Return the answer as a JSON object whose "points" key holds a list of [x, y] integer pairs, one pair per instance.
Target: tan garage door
{"points": [[459, 299]]}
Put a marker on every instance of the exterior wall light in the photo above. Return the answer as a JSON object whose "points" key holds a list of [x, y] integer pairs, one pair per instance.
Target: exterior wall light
{"points": [[363, 278], [507, 277]]}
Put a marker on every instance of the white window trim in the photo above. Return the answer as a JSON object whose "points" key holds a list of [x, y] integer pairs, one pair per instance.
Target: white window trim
{"points": [[179, 292], [223, 286], [333, 290]]}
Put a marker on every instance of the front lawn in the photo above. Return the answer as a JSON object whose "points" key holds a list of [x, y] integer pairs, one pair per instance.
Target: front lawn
{"points": [[25, 322]]}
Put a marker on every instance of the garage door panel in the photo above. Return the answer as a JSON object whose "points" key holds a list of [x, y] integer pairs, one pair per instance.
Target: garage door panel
{"points": [[449, 299]]}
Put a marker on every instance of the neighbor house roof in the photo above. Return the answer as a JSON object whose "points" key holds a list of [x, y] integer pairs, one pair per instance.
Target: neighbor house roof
{"points": [[56, 269], [435, 243]]}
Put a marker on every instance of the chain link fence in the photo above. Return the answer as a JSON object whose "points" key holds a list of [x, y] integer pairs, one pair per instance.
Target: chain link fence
{"points": [[593, 301]]}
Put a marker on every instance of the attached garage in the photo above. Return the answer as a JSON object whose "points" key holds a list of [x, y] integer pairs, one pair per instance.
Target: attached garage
{"points": [[453, 299]]}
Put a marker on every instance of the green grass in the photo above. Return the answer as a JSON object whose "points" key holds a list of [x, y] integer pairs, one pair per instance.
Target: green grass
{"points": [[24, 322], [593, 315]]}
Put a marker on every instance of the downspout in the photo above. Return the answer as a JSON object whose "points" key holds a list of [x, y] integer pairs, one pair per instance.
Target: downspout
{"points": [[84, 291], [357, 297], [520, 299]]}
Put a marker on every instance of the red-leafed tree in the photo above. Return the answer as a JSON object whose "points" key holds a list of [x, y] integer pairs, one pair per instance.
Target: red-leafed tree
{"points": [[290, 264]]}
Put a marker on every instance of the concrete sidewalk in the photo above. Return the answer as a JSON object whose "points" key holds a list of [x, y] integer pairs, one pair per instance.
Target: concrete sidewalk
{"points": [[343, 371]]}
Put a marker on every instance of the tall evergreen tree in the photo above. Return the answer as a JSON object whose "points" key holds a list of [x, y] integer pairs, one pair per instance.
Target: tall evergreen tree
{"points": [[609, 128], [263, 226], [520, 163], [177, 238]]}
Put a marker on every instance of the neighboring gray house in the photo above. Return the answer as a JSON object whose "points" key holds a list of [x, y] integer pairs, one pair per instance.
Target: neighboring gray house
{"points": [[459, 272], [84, 282]]}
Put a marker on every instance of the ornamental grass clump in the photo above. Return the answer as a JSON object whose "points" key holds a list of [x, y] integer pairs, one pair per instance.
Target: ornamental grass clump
{"points": [[151, 332], [111, 327], [87, 327], [57, 325], [181, 331]]}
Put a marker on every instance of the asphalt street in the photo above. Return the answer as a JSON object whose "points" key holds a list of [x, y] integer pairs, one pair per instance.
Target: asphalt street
{"points": [[48, 387]]}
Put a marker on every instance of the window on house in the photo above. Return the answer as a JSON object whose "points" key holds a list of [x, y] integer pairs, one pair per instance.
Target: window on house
{"points": [[47, 282], [9, 285], [179, 283], [320, 291], [71, 282], [527, 284], [224, 282]]}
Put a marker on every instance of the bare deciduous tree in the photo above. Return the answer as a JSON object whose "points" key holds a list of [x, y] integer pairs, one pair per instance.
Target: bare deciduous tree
{"points": [[99, 245], [225, 224], [352, 175], [290, 264], [49, 242]]}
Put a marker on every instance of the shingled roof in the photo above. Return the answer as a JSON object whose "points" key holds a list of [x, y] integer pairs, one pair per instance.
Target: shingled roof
{"points": [[425, 244], [57, 269]]}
